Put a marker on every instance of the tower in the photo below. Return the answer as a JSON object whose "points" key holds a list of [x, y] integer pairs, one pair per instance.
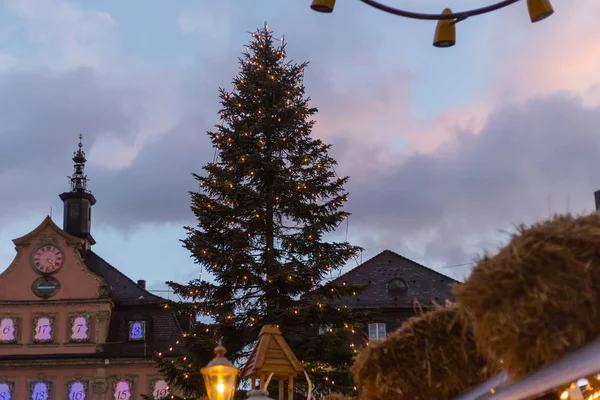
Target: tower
{"points": [[77, 210]]}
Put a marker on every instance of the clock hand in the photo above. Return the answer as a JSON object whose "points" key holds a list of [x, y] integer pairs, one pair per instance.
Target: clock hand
{"points": [[53, 262]]}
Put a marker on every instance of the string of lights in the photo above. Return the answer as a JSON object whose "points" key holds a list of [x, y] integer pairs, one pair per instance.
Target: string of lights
{"points": [[205, 202], [445, 33]]}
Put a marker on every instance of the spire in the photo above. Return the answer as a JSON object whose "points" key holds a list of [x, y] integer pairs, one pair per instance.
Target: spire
{"points": [[78, 202], [79, 179]]}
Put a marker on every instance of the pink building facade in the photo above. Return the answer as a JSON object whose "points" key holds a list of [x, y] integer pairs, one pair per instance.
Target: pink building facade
{"points": [[73, 327]]}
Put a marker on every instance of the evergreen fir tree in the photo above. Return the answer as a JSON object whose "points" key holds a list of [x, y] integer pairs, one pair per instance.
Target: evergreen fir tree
{"points": [[263, 210]]}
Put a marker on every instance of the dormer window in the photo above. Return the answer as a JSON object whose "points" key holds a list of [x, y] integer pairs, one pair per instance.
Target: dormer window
{"points": [[137, 331], [397, 287], [323, 329]]}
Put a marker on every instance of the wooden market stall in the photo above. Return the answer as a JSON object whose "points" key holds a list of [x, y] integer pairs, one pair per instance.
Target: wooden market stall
{"points": [[272, 359]]}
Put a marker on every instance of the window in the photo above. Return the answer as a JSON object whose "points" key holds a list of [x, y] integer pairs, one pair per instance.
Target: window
{"points": [[323, 329], [8, 330], [77, 390], [79, 328], [6, 390], [122, 389], [43, 330], [397, 287], [74, 210], [160, 389], [137, 330], [45, 287], [377, 331], [40, 390]]}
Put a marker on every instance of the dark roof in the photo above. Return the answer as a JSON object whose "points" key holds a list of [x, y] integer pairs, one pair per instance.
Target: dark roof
{"points": [[422, 284], [162, 332], [132, 302], [122, 289]]}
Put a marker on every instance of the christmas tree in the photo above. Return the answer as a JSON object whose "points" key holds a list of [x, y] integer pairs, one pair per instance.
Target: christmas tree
{"points": [[263, 210]]}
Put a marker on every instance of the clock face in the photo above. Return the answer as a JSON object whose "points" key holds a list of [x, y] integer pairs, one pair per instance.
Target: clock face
{"points": [[47, 259]]}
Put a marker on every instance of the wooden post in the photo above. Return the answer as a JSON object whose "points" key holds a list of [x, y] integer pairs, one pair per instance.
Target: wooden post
{"points": [[262, 382], [291, 388], [281, 389]]}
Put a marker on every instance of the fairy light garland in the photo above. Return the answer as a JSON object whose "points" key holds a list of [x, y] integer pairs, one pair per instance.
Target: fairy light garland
{"points": [[204, 202]]}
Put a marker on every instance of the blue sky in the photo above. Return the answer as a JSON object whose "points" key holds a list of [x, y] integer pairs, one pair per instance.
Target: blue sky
{"points": [[445, 147]]}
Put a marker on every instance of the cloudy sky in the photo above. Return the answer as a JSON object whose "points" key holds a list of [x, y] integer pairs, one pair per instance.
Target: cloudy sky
{"points": [[446, 148]]}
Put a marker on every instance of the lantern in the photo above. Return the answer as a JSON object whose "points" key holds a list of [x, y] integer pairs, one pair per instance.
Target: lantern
{"points": [[220, 376]]}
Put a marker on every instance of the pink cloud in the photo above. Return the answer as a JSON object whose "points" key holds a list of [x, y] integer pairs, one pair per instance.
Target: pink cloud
{"points": [[561, 53]]}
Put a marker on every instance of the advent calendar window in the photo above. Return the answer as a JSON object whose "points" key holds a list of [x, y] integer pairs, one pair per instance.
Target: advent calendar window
{"points": [[8, 329], [79, 328], [137, 330], [77, 390], [40, 390], [122, 389], [43, 329], [160, 389], [6, 390]]}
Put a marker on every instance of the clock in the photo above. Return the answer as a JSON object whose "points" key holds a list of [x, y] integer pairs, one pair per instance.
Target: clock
{"points": [[47, 259]]}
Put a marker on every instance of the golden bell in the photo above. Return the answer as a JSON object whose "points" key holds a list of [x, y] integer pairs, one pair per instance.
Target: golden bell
{"points": [[324, 6], [539, 9], [445, 32]]}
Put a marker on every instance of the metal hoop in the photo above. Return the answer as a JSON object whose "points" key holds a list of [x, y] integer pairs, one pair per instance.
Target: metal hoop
{"points": [[459, 16]]}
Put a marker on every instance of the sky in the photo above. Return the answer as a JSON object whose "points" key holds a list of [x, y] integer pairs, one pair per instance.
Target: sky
{"points": [[446, 149]]}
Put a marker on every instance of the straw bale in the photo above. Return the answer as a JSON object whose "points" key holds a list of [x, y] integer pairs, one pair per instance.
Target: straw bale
{"points": [[336, 396], [431, 356], [539, 298]]}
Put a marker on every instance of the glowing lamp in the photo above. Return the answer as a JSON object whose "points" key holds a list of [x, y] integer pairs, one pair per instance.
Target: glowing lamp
{"points": [[539, 9], [445, 32], [324, 6], [220, 376]]}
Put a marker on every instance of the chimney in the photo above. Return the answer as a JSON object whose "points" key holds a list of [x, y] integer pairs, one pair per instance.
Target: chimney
{"points": [[141, 283], [597, 198]]}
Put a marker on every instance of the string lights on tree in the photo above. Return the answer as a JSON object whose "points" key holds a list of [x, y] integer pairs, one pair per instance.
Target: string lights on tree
{"points": [[445, 33], [264, 209]]}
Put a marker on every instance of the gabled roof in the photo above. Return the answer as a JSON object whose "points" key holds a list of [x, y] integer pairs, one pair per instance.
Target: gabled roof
{"points": [[122, 288], [271, 355], [424, 284], [26, 239]]}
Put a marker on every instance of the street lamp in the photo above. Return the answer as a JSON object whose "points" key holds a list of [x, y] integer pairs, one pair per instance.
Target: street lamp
{"points": [[220, 376], [445, 35]]}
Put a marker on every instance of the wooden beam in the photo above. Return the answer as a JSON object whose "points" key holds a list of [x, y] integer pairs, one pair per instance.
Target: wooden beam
{"points": [[281, 389], [291, 388]]}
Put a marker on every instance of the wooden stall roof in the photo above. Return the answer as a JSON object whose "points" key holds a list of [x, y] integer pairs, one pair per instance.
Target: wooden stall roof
{"points": [[271, 355]]}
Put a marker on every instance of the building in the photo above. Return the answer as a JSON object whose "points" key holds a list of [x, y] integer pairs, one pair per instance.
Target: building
{"points": [[73, 327], [393, 285]]}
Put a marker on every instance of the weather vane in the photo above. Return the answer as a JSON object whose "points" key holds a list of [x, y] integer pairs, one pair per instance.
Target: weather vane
{"points": [[445, 33]]}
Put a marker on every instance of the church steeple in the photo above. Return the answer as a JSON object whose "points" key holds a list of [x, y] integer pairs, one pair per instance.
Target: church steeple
{"points": [[77, 210], [79, 179]]}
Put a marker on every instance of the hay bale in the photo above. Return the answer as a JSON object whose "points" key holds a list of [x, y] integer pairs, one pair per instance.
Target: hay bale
{"points": [[539, 298], [336, 396], [431, 356]]}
